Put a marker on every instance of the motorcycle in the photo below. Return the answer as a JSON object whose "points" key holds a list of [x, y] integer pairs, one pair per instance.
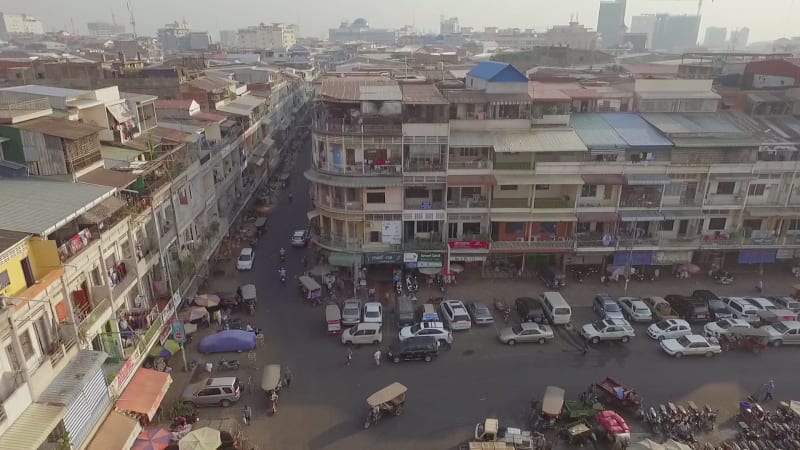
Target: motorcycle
{"points": [[414, 283], [181, 421], [398, 288], [373, 416], [409, 284], [232, 364]]}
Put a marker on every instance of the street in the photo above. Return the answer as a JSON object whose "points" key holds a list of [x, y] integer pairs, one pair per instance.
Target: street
{"points": [[325, 406]]}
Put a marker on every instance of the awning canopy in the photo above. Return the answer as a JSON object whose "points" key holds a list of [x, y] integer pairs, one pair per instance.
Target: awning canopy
{"points": [[612, 179], [771, 212], [471, 139], [31, 429], [363, 181], [312, 214], [511, 217], [558, 179], [554, 217], [108, 177], [539, 141], [121, 112], [514, 179], [117, 431], [469, 180], [344, 259], [640, 216], [684, 214], [144, 393], [648, 179], [732, 176], [102, 211], [602, 217]]}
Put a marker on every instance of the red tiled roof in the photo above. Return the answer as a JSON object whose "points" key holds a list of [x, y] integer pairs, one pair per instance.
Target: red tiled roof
{"points": [[174, 104]]}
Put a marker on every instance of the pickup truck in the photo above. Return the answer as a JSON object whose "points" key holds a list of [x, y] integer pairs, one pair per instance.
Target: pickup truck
{"points": [[660, 308]]}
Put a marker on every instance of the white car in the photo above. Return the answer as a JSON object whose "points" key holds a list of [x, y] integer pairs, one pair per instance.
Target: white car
{"points": [[669, 329], [635, 310], [363, 333], [300, 238], [435, 329], [456, 315], [786, 303], [246, 258], [723, 326], [608, 330], [373, 312], [783, 333], [691, 344], [760, 303]]}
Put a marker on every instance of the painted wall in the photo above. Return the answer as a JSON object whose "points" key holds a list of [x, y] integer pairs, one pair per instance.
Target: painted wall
{"points": [[13, 267], [43, 256]]}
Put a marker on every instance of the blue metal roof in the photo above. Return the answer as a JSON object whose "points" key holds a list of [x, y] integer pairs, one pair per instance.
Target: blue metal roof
{"points": [[636, 131], [497, 72], [595, 132]]}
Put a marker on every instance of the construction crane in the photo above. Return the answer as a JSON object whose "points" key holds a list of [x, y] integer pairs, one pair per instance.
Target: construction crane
{"points": [[699, 3], [133, 21]]}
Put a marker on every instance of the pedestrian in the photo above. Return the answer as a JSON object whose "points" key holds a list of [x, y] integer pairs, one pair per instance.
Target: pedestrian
{"points": [[287, 377], [274, 399], [248, 414], [377, 356], [585, 347], [209, 367], [371, 294], [349, 355], [760, 286], [770, 390]]}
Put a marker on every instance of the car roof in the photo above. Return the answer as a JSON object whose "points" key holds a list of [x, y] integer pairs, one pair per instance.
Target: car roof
{"points": [[454, 303], [604, 297], [362, 325], [352, 301], [246, 251], [372, 305], [530, 326], [299, 232], [677, 322], [219, 381], [791, 323], [621, 322], [696, 338]]}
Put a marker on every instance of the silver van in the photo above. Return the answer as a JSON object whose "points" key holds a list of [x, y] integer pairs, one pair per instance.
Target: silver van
{"points": [[220, 391], [556, 308]]}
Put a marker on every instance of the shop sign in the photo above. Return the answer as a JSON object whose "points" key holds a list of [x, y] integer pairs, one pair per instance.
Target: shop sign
{"points": [[125, 371], [178, 332], [430, 259], [467, 258], [472, 245], [410, 257], [669, 258], [384, 258], [392, 232]]}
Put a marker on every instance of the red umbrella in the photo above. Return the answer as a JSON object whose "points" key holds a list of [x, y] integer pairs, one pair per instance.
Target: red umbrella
{"points": [[152, 439]]}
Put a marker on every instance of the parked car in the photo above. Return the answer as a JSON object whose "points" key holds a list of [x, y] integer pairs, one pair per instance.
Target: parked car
{"points": [[363, 333], [422, 348], [689, 308], [481, 314], [228, 341], [300, 238], [525, 332], [783, 333], [373, 312], [404, 307], [553, 277], [760, 303], [635, 310], [432, 329], [691, 344], [786, 303], [716, 306], [660, 308], [529, 309], [723, 326], [351, 311], [608, 330], [246, 258], [669, 329], [456, 315], [220, 391], [741, 309], [606, 307]]}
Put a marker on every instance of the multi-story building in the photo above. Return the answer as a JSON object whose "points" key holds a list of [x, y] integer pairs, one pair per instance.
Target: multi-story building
{"points": [[675, 33], [227, 38], [573, 35], [360, 30], [644, 23], [179, 37], [266, 37], [448, 25], [738, 38], [19, 24], [611, 22], [716, 38], [105, 30]]}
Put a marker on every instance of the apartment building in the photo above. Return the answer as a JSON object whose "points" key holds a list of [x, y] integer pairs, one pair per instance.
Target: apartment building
{"points": [[267, 37], [503, 178]]}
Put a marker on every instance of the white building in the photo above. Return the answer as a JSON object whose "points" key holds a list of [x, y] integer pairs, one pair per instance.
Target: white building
{"points": [[276, 35], [11, 24]]}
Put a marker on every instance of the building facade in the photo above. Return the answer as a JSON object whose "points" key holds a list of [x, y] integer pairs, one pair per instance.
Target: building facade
{"points": [[716, 38], [675, 33], [266, 37], [644, 23], [611, 22], [16, 24], [105, 30], [360, 30]]}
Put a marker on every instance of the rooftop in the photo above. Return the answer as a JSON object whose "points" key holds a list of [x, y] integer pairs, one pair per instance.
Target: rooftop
{"points": [[138, 98], [209, 117], [62, 128], [174, 104], [9, 239], [635, 131], [497, 72], [41, 206], [422, 94], [243, 105], [595, 132], [349, 88], [49, 91], [211, 83], [108, 177]]}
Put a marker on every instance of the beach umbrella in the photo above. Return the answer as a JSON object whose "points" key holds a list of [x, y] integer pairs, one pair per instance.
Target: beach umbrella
{"points": [[152, 439], [201, 439]]}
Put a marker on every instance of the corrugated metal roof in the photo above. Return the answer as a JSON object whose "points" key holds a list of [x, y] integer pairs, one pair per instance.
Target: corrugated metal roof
{"points": [[174, 104], [539, 141], [49, 91], [380, 93], [108, 177], [636, 131], [558, 179], [422, 94], [697, 124], [31, 429], [659, 95], [595, 132], [10, 239], [68, 384], [497, 72], [347, 88], [40, 206], [62, 128], [119, 153], [715, 142]]}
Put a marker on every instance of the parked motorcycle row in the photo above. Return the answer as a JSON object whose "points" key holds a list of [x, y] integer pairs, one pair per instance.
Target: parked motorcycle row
{"points": [[765, 430], [680, 422]]}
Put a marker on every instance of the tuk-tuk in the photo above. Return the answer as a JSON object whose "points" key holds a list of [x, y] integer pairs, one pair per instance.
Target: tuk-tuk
{"points": [[247, 292], [389, 400], [311, 290], [261, 225], [271, 379], [772, 316], [749, 339], [334, 318], [552, 405]]}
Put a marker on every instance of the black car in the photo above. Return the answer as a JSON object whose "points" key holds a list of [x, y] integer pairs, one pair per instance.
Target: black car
{"points": [[529, 309], [553, 277], [688, 308], [415, 348], [718, 309]]}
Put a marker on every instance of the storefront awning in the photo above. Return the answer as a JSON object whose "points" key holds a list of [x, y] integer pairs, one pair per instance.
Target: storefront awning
{"points": [[554, 217], [640, 216], [469, 180], [758, 256], [144, 393], [312, 214], [612, 179], [512, 217], [558, 179], [31, 429], [684, 214], [513, 180], [344, 259], [363, 181], [601, 217], [117, 431], [102, 211], [647, 179]]}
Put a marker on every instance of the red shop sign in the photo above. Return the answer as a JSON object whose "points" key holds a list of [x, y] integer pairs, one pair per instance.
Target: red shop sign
{"points": [[468, 244]]}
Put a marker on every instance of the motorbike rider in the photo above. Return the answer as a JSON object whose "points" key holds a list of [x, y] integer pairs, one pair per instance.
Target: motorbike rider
{"points": [[282, 274], [290, 197], [282, 253]]}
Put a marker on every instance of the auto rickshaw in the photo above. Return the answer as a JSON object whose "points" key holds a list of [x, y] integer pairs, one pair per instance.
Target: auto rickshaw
{"points": [[311, 290], [247, 292], [272, 383], [389, 400], [261, 226], [552, 405], [749, 339], [334, 318]]}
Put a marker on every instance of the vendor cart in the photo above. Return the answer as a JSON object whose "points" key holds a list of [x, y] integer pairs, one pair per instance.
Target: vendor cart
{"points": [[552, 404], [579, 433], [576, 409], [617, 394], [615, 429]]}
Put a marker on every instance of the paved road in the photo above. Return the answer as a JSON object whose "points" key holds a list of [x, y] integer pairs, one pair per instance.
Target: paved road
{"points": [[325, 407]]}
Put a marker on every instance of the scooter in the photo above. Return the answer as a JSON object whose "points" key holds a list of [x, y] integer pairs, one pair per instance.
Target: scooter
{"points": [[409, 284], [232, 364], [414, 283], [398, 287]]}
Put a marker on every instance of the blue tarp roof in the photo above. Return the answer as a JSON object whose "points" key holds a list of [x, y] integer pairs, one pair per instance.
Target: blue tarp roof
{"points": [[497, 72], [636, 131], [595, 132]]}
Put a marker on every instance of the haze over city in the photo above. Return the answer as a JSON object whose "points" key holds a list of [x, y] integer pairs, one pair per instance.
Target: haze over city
{"points": [[767, 20]]}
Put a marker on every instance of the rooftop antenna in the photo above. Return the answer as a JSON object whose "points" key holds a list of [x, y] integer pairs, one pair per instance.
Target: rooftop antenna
{"points": [[133, 21]]}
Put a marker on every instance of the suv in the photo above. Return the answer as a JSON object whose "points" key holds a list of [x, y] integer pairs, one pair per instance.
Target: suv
{"points": [[553, 277], [742, 309], [456, 315], [213, 391], [688, 308], [529, 309], [429, 329], [786, 303], [783, 333], [606, 307], [363, 333], [716, 306], [608, 330], [414, 349]]}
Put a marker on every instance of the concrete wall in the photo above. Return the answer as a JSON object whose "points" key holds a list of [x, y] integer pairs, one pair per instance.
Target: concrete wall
{"points": [[394, 200], [672, 85]]}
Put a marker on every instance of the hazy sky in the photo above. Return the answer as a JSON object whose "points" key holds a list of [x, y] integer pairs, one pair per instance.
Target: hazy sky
{"points": [[767, 19]]}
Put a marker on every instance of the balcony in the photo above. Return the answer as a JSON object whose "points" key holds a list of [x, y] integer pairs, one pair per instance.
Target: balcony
{"points": [[339, 205], [424, 165], [323, 126], [510, 203], [513, 165], [18, 107], [422, 205], [680, 242], [338, 242], [86, 319], [63, 346], [687, 202], [417, 243], [631, 242], [720, 200], [550, 119], [75, 245], [123, 284], [650, 201], [595, 240], [720, 239], [468, 202], [473, 164], [557, 243], [553, 203], [760, 238], [392, 167]]}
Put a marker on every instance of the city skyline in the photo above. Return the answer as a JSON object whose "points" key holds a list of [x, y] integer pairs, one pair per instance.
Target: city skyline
{"points": [[200, 14]]}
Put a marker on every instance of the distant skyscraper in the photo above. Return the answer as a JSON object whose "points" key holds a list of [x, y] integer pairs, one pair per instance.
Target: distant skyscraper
{"points": [[675, 33], [448, 26], [611, 22], [227, 38], [644, 23], [715, 37], [105, 30], [739, 38]]}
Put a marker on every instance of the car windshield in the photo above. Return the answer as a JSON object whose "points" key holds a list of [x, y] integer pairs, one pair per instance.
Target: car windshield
{"points": [[663, 325], [481, 310], [684, 341], [641, 309], [516, 329], [716, 304], [599, 326], [415, 328], [350, 310], [372, 313], [780, 328], [244, 257], [611, 307], [724, 324]]}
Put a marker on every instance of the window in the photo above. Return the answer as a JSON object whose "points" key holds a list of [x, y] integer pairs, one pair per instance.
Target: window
{"points": [[12, 357], [27, 345], [376, 197], [514, 227], [97, 277], [717, 223], [374, 236], [5, 280], [427, 226], [794, 224], [469, 152], [756, 189], [726, 187], [667, 225], [417, 192], [508, 187], [542, 187], [589, 190]]}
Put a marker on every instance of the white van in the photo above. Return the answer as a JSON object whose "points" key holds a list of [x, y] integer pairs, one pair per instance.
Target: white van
{"points": [[556, 308]]}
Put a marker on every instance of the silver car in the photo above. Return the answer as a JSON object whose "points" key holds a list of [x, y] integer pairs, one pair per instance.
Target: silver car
{"points": [[635, 310], [481, 314], [783, 333], [214, 391], [351, 312], [526, 332]]}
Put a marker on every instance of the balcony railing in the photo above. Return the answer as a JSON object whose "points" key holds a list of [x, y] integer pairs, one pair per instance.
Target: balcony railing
{"points": [[720, 239], [627, 242], [424, 165], [595, 240], [411, 243], [511, 203], [370, 129], [552, 203], [685, 241], [720, 200], [98, 310], [512, 165], [473, 164], [647, 202], [76, 244], [682, 201], [363, 168], [339, 242], [340, 205], [422, 204], [534, 243], [468, 202]]}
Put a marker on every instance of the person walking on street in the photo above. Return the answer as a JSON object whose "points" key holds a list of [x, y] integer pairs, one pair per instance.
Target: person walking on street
{"points": [[377, 356], [770, 390], [760, 286], [585, 347], [349, 355], [287, 377], [248, 415], [274, 399]]}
